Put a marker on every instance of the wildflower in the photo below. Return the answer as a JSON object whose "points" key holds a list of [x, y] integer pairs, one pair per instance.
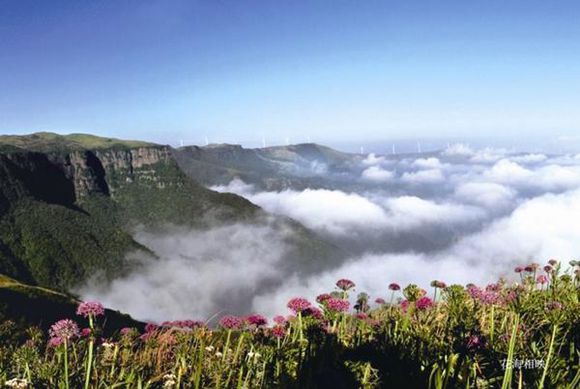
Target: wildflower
{"points": [[380, 301], [475, 342], [126, 331], [209, 348], [394, 287], [542, 279], [553, 262], [65, 329], [345, 284], [337, 305], [474, 292], [231, 322], [424, 303], [323, 297], [279, 319], [85, 332], [438, 284], [55, 342], [553, 306], [519, 269], [218, 354], [489, 297], [90, 308], [278, 332], [313, 312], [493, 287], [257, 320], [17, 383], [548, 269], [169, 381], [298, 304], [361, 316], [404, 305], [150, 327]]}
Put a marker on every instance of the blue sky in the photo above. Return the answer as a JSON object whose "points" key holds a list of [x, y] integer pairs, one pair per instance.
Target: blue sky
{"points": [[333, 70]]}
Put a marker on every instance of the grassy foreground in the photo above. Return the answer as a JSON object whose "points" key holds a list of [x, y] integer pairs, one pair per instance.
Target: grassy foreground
{"points": [[523, 334]]}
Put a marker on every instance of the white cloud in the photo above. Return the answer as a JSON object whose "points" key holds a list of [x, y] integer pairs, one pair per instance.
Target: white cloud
{"points": [[408, 212], [429, 176], [428, 163], [372, 160], [329, 210], [377, 174], [487, 194]]}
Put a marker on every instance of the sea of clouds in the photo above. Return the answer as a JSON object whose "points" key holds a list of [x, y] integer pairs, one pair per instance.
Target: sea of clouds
{"points": [[460, 215]]}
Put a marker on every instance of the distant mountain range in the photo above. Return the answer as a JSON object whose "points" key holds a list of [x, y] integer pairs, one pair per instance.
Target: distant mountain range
{"points": [[68, 203]]}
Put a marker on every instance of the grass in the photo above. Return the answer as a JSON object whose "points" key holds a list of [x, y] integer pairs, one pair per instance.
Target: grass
{"points": [[49, 142], [414, 342]]}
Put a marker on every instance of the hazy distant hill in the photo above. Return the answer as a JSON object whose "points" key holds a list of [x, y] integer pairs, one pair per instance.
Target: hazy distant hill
{"points": [[271, 168], [67, 204]]}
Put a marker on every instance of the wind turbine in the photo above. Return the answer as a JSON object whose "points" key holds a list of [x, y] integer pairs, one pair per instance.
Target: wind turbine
{"points": [[394, 152], [181, 142], [206, 141], [362, 150], [264, 142], [287, 141]]}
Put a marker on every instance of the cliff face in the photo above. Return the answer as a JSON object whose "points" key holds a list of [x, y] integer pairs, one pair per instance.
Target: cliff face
{"points": [[107, 171], [68, 178]]}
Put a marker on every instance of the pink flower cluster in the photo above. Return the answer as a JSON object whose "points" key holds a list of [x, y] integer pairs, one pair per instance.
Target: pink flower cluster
{"points": [[231, 322], [279, 319], [345, 284], [424, 303], [421, 304], [323, 297], [256, 320], [394, 286], [191, 324], [337, 305], [90, 308], [278, 332], [298, 304], [63, 330]]}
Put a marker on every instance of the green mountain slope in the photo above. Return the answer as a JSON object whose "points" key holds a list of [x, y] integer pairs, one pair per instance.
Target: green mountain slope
{"points": [[68, 205], [25, 305]]}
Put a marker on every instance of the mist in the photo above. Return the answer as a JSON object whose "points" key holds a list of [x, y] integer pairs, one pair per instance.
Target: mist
{"points": [[460, 215]]}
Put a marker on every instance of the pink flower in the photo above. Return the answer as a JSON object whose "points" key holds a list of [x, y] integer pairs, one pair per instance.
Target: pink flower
{"points": [[55, 342], [380, 301], [298, 304], [65, 329], [474, 292], [542, 279], [257, 320], [553, 262], [394, 287], [90, 308], [493, 287], [519, 269], [278, 332], [489, 297], [337, 305], [345, 284], [127, 331], [548, 269], [323, 297], [424, 303], [85, 332], [231, 322], [150, 327], [404, 305], [280, 320], [313, 312], [361, 316]]}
